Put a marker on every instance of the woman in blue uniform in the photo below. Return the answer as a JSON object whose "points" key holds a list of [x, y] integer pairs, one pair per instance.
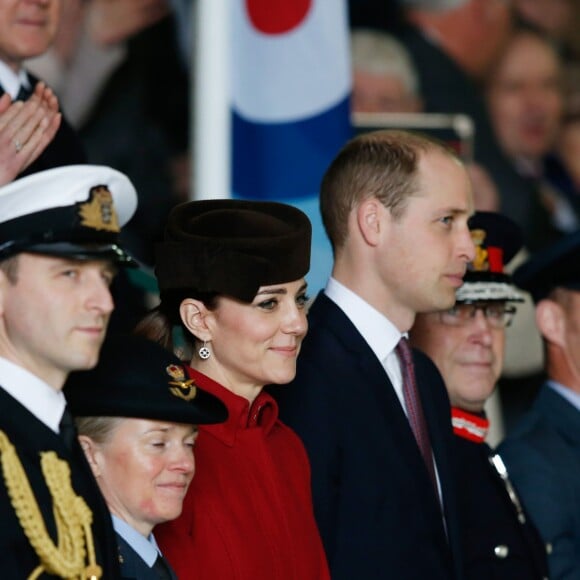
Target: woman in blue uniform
{"points": [[137, 414]]}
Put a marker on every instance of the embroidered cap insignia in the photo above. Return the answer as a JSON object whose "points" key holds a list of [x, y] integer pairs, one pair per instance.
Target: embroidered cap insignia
{"points": [[180, 387], [480, 262], [99, 212]]}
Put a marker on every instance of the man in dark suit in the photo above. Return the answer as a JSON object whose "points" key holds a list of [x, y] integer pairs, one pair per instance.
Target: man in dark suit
{"points": [[59, 251], [466, 343], [27, 29], [542, 452], [395, 207]]}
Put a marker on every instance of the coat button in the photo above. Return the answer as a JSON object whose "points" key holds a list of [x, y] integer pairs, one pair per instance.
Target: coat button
{"points": [[501, 551], [548, 548]]}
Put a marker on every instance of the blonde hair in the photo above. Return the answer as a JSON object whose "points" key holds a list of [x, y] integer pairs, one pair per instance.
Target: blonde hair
{"points": [[99, 429]]}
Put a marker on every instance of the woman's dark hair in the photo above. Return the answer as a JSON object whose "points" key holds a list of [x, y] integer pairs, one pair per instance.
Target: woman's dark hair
{"points": [[159, 324]]}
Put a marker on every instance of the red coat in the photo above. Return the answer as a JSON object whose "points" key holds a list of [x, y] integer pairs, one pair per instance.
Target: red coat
{"points": [[248, 512]]}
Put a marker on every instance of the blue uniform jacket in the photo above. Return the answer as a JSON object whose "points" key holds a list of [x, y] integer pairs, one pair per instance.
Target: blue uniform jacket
{"points": [[542, 454], [133, 567]]}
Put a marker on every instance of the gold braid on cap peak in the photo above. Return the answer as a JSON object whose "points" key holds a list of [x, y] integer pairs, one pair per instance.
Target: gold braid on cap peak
{"points": [[72, 515]]}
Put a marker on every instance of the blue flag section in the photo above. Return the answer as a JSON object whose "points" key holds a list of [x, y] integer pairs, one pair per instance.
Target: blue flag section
{"points": [[284, 160], [290, 105]]}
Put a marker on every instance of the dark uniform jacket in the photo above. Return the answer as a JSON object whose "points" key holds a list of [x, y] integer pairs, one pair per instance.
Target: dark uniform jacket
{"points": [[376, 508], [65, 149], [542, 454], [30, 437], [133, 567], [499, 540]]}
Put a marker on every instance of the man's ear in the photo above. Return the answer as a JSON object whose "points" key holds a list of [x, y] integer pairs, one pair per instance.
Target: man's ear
{"points": [[194, 315], [91, 453], [369, 215], [550, 319]]}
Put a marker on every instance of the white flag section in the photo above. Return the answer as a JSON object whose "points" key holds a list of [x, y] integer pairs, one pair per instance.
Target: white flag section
{"points": [[290, 84]]}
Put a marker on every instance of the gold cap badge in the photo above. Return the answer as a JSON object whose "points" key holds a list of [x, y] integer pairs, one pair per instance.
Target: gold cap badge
{"points": [[99, 212], [480, 262], [182, 388]]}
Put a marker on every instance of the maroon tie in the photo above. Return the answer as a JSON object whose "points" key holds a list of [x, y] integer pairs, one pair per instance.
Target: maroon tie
{"points": [[414, 408]]}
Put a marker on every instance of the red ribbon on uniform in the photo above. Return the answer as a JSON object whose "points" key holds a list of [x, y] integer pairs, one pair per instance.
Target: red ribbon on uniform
{"points": [[469, 426]]}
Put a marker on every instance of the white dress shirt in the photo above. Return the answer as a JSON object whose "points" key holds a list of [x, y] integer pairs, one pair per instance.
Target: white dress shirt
{"points": [[12, 81], [43, 401]]}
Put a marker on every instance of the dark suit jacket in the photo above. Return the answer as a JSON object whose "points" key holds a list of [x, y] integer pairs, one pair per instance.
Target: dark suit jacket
{"points": [[133, 567], [496, 545], [30, 437], [542, 454], [378, 514], [65, 149]]}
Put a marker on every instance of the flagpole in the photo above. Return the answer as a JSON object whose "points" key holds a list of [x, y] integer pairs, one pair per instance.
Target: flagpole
{"points": [[211, 118]]}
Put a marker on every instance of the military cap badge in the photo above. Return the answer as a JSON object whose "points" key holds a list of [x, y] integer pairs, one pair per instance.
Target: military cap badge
{"points": [[98, 212], [179, 386]]}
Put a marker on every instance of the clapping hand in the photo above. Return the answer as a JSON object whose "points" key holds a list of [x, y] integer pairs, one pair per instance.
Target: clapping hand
{"points": [[26, 128]]}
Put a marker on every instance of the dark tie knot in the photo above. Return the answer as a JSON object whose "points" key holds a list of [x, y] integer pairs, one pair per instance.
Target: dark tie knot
{"points": [[24, 93], [67, 430], [162, 569]]}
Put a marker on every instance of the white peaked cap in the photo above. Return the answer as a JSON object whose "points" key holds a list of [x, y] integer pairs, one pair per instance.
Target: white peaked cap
{"points": [[74, 210]]}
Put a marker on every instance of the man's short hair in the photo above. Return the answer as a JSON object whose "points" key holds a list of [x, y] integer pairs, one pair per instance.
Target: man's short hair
{"points": [[380, 164]]}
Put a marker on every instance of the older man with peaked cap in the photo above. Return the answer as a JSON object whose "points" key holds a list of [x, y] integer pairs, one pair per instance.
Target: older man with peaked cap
{"points": [[542, 452], [466, 343], [59, 251]]}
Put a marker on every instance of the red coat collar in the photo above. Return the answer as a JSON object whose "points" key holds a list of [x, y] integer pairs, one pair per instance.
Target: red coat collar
{"points": [[262, 413]]}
